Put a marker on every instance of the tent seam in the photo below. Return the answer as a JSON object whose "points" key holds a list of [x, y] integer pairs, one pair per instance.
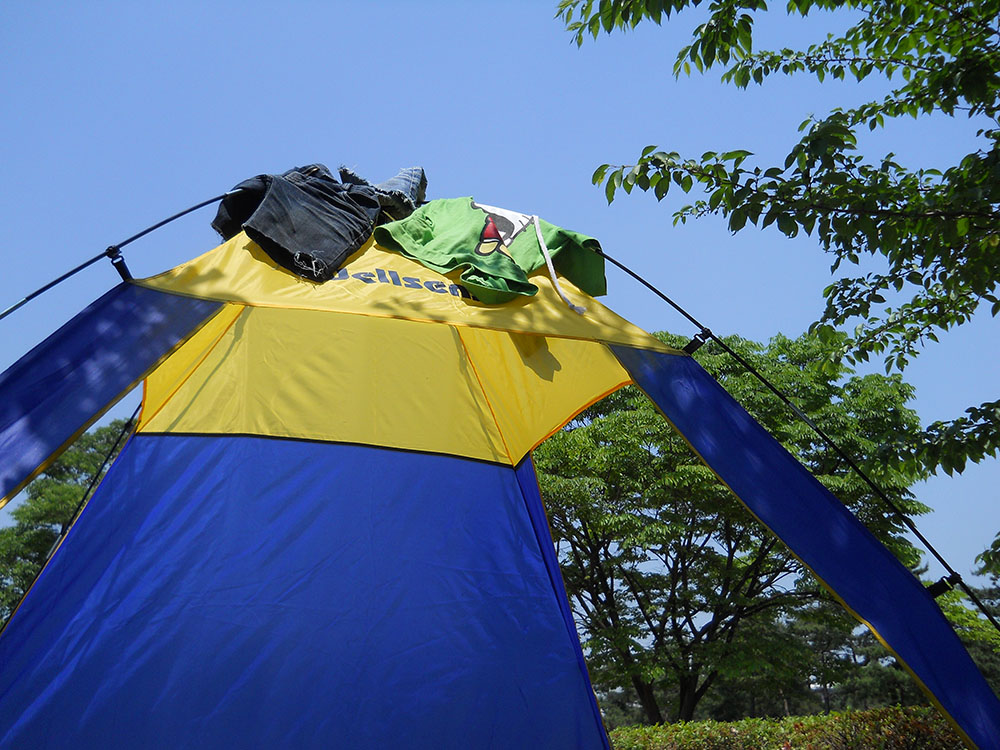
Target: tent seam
{"points": [[142, 416], [655, 345], [486, 398], [100, 413]]}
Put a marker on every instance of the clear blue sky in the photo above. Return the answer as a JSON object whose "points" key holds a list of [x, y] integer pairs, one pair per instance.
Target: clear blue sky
{"points": [[118, 114]]}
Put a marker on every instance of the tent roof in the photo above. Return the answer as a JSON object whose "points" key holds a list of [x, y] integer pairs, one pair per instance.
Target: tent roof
{"points": [[239, 271], [482, 394], [490, 384]]}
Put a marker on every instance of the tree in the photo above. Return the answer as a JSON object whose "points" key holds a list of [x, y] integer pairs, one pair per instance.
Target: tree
{"points": [[776, 668], [674, 585], [935, 233], [51, 501]]}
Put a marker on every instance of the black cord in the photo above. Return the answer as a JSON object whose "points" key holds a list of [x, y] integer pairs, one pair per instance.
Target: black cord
{"points": [[126, 428], [68, 524], [113, 252], [946, 583]]}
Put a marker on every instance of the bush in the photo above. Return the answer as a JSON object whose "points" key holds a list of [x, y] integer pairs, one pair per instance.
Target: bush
{"points": [[913, 728]]}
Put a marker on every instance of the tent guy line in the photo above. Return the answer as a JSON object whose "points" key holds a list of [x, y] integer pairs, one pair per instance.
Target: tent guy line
{"points": [[91, 486], [941, 586], [126, 429], [944, 584]]}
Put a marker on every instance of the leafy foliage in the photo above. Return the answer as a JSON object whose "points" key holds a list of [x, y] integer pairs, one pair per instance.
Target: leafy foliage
{"points": [[915, 728], [935, 232], [674, 584], [826, 662], [51, 500]]}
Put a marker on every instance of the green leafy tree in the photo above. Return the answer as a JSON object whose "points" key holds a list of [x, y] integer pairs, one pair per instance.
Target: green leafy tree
{"points": [[934, 234], [878, 679], [48, 508], [828, 632], [808, 655], [674, 584], [771, 674], [825, 662]]}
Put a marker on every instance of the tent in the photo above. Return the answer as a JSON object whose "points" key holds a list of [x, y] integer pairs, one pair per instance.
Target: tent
{"points": [[326, 530]]}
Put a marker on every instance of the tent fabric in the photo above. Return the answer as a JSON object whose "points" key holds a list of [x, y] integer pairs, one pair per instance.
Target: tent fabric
{"points": [[327, 525], [60, 387], [488, 395], [379, 283], [822, 533], [528, 481], [262, 593]]}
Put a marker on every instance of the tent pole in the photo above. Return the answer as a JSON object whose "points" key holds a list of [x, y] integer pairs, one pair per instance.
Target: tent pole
{"points": [[113, 252]]}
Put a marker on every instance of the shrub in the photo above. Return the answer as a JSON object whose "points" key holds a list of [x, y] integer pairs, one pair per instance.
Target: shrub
{"points": [[912, 728]]}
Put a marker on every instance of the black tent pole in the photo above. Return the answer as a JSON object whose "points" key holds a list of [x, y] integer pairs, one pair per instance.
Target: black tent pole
{"points": [[113, 252]]}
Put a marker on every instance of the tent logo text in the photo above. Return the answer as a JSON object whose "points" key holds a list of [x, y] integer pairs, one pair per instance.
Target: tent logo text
{"points": [[381, 276]]}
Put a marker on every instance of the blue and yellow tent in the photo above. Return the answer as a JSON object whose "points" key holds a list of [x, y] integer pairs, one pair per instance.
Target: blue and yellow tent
{"points": [[326, 530]]}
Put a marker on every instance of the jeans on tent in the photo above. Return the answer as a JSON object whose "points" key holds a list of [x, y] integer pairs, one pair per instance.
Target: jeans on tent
{"points": [[309, 221], [398, 196]]}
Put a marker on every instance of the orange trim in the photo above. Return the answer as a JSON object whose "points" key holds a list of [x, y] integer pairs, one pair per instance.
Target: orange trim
{"points": [[89, 423], [586, 406], [482, 390], [194, 367]]}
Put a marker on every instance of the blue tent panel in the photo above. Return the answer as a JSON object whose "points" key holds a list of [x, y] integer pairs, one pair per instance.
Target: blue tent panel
{"points": [[231, 591], [56, 390], [528, 481], [822, 533]]}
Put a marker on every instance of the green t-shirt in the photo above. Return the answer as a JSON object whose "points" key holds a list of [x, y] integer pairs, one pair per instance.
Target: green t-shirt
{"points": [[496, 248]]}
